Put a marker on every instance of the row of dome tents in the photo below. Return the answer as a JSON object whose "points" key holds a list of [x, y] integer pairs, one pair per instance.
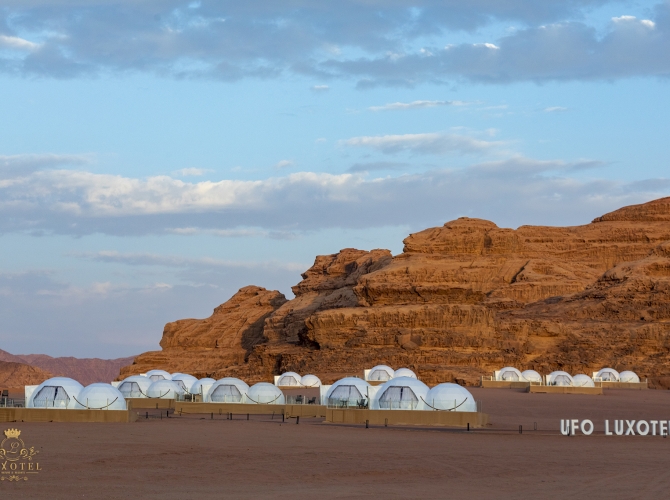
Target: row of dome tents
{"points": [[562, 378], [383, 373], [66, 393]]}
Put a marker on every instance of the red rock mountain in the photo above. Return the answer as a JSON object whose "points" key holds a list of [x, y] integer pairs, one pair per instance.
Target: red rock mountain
{"points": [[13, 375], [460, 301]]}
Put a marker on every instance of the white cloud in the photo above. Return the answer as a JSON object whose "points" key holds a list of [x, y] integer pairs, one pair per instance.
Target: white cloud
{"points": [[412, 105], [192, 172], [320, 88], [555, 109], [283, 164], [429, 143], [14, 42], [13, 165]]}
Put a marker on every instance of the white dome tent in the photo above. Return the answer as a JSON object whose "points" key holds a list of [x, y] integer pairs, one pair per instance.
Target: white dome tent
{"points": [[100, 397], [510, 374], [560, 378], [608, 375], [582, 380], [380, 373], [135, 386], [165, 389], [310, 381], [531, 376], [265, 393], [155, 375], [404, 372], [56, 392], [348, 391], [629, 376], [227, 390], [402, 393], [289, 379], [450, 397], [202, 386], [184, 380]]}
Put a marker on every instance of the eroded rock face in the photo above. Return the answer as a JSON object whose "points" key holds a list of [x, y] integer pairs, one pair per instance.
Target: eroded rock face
{"points": [[463, 300]]}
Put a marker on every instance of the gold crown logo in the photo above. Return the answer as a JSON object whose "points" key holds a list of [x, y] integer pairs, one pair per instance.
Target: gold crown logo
{"points": [[12, 433]]}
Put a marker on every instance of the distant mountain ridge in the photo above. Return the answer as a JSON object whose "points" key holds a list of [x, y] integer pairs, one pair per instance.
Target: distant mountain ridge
{"points": [[84, 370]]}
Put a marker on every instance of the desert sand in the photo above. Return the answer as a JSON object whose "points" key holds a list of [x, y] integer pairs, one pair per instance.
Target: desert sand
{"points": [[196, 457]]}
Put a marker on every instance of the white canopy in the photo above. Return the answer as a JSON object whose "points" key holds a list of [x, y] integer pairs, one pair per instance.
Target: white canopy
{"points": [[582, 380], [165, 389], [608, 375], [289, 379], [560, 378], [380, 373], [202, 386], [227, 390], [184, 380], [402, 393], [264, 393], [155, 375], [135, 386], [100, 397], [510, 374], [450, 397], [310, 381], [347, 391], [629, 376], [404, 372], [531, 376], [56, 392]]}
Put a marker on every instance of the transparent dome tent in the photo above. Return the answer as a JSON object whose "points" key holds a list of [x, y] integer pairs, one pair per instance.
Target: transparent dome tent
{"points": [[155, 375], [289, 379], [56, 392], [531, 376], [404, 372], [608, 375], [450, 397], [310, 381], [227, 390], [165, 389], [380, 373], [510, 374], [202, 386], [560, 378], [100, 397], [582, 380], [349, 391], [265, 393], [135, 386], [629, 376], [185, 381], [402, 393]]}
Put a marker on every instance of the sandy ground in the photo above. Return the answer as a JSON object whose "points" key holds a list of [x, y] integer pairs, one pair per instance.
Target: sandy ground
{"points": [[200, 458]]}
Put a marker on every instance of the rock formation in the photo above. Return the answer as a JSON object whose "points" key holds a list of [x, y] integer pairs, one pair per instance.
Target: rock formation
{"points": [[14, 375], [461, 300]]}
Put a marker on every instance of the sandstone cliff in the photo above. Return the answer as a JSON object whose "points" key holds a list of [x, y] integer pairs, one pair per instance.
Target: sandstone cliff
{"points": [[460, 301], [14, 375]]}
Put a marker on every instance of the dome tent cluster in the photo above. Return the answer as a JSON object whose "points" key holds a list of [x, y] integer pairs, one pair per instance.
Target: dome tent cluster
{"points": [[562, 378], [67, 394]]}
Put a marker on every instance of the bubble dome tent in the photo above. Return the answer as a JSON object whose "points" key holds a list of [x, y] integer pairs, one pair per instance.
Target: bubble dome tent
{"points": [[56, 392], [155, 375], [582, 380], [347, 391], [100, 397], [531, 376], [184, 380], [310, 381], [135, 386], [289, 379], [450, 397], [265, 393], [227, 390], [629, 377], [402, 393], [202, 386], [608, 375], [404, 372], [560, 378], [510, 374], [165, 389], [380, 373]]}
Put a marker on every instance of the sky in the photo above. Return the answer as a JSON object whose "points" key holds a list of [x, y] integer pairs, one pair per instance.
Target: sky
{"points": [[155, 157]]}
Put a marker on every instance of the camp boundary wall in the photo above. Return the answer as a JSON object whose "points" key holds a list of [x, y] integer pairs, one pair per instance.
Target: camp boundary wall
{"points": [[317, 411], [63, 415], [564, 389], [149, 404], [504, 384], [407, 417]]}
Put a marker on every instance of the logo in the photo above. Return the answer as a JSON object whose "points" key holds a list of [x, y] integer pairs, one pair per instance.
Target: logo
{"points": [[16, 459]]}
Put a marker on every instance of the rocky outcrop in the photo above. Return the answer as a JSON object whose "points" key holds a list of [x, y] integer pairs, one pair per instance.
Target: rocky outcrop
{"points": [[465, 299], [14, 375]]}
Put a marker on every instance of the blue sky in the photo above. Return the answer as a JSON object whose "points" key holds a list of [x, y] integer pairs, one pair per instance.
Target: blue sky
{"points": [[157, 156]]}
